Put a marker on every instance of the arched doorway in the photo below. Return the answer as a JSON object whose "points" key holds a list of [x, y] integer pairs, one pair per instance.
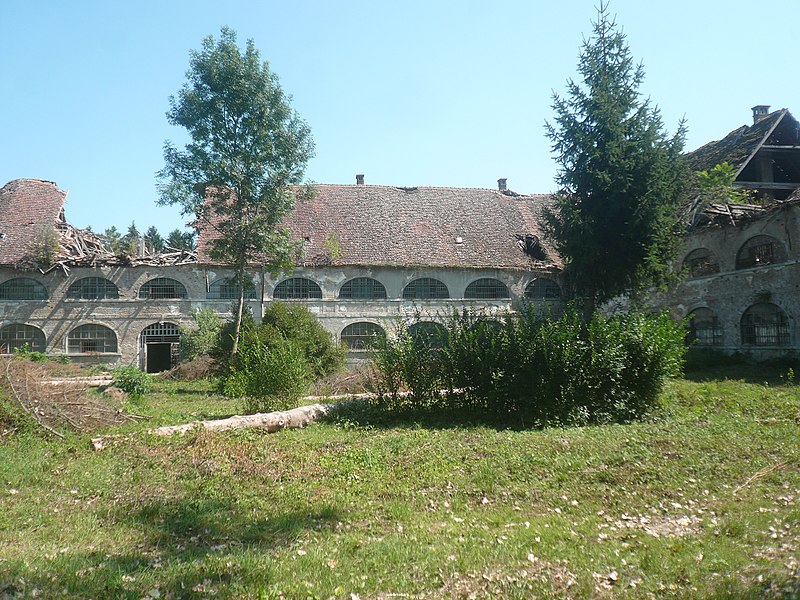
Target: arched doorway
{"points": [[158, 347]]}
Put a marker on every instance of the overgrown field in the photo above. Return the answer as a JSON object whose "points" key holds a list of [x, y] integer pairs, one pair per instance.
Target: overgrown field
{"points": [[702, 501]]}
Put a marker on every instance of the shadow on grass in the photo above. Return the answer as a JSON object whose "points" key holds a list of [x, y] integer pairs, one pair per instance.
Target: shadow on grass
{"points": [[188, 546]]}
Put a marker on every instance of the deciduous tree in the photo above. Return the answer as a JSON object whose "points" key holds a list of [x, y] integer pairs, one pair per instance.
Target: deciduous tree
{"points": [[621, 176], [248, 146]]}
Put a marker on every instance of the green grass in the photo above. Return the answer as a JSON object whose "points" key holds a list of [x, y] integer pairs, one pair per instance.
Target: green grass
{"points": [[702, 501]]}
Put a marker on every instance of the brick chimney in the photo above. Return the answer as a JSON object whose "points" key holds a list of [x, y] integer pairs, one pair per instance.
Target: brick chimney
{"points": [[501, 184], [360, 179], [759, 112]]}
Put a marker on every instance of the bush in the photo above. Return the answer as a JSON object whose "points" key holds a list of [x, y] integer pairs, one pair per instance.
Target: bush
{"points": [[203, 339], [137, 384], [555, 370], [268, 376]]}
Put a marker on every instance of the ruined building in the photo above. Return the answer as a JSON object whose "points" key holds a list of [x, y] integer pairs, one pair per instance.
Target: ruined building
{"points": [[371, 256]]}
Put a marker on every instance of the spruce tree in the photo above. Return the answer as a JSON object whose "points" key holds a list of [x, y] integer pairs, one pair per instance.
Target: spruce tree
{"points": [[621, 177]]}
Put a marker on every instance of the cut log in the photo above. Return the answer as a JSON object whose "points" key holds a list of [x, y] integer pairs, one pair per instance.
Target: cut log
{"points": [[271, 422]]}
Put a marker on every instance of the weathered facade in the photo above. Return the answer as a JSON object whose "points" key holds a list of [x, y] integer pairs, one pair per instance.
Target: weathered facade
{"points": [[371, 257]]}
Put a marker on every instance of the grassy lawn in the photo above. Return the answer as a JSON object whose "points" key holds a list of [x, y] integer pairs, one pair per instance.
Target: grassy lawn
{"points": [[703, 501]]}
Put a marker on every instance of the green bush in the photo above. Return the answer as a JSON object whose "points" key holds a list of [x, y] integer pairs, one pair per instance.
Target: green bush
{"points": [[551, 370], [203, 339], [268, 376], [137, 384]]}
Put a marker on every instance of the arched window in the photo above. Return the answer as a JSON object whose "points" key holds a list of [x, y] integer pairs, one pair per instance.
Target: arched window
{"points": [[486, 289], [22, 288], [91, 339], [363, 288], [92, 288], [426, 288], [226, 289], [297, 288], [429, 333], [759, 251], [543, 289], [700, 262], [362, 336], [162, 288], [765, 324], [704, 328], [17, 335]]}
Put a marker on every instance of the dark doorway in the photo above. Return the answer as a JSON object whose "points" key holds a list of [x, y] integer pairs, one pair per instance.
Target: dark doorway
{"points": [[159, 357]]}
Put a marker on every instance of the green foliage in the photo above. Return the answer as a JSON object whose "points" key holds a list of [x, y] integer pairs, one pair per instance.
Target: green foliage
{"points": [[112, 239], [154, 240], [204, 339], [544, 371], [247, 148], [24, 352], [269, 376], [137, 384], [181, 240], [44, 247], [716, 185], [333, 247], [621, 177]]}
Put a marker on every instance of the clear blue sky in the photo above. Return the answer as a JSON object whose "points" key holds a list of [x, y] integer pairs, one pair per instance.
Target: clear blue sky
{"points": [[418, 92]]}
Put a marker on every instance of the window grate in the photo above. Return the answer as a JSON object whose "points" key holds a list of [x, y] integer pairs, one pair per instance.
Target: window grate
{"points": [[486, 289], [226, 289], [161, 332], [362, 336], [16, 335], [297, 288], [426, 288], [92, 288], [543, 289], [759, 251], [765, 325], [162, 288], [362, 288], [22, 288], [701, 262], [91, 339], [704, 328]]}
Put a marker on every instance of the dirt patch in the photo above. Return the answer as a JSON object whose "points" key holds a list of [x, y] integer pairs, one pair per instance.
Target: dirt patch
{"points": [[203, 367]]}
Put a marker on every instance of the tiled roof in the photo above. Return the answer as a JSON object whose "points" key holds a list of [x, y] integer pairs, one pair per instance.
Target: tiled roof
{"points": [[26, 205], [417, 226], [736, 147]]}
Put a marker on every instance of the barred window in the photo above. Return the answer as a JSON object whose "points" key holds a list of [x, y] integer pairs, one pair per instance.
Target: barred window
{"points": [[226, 289], [91, 339], [17, 335], [362, 336], [162, 288], [765, 324], [486, 289], [700, 262], [543, 289], [161, 333], [759, 251], [426, 288], [362, 288], [297, 288], [93, 288], [428, 333], [22, 288], [704, 328]]}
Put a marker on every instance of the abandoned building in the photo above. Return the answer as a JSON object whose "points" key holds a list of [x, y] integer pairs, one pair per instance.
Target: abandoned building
{"points": [[371, 257], [742, 261]]}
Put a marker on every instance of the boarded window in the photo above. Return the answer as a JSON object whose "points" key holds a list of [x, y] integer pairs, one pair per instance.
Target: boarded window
{"points": [[18, 336], [426, 288], [92, 288], [704, 328], [486, 289], [543, 289], [362, 336], [363, 288], [765, 324], [162, 288], [22, 288], [91, 339], [297, 288], [226, 289], [759, 251], [700, 262]]}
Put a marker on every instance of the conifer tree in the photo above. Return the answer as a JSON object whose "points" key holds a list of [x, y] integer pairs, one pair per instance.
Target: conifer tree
{"points": [[621, 177]]}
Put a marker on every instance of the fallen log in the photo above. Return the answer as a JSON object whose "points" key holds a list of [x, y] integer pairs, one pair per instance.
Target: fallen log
{"points": [[271, 422]]}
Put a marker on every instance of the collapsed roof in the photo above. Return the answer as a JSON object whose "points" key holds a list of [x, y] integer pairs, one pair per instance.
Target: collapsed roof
{"points": [[377, 225]]}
